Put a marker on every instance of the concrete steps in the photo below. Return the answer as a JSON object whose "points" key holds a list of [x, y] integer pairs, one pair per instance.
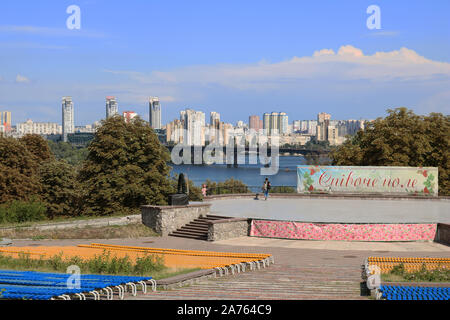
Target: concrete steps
{"points": [[276, 282], [196, 229]]}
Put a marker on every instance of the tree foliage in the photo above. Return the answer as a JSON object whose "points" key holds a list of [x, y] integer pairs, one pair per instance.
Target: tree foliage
{"points": [[126, 167], [65, 151], [18, 168], [38, 147], [60, 190], [401, 139]]}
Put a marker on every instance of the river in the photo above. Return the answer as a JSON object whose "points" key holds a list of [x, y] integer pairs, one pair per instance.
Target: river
{"points": [[247, 173]]}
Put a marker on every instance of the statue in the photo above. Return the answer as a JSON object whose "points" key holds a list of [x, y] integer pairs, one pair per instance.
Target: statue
{"points": [[181, 198]]}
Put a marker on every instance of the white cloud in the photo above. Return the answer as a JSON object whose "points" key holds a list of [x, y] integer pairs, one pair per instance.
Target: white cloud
{"points": [[22, 79], [348, 64]]}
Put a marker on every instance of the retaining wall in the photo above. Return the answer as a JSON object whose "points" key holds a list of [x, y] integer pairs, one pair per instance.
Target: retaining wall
{"points": [[228, 229], [165, 219], [443, 234]]}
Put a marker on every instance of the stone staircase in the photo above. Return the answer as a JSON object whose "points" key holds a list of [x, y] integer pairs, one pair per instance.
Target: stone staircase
{"points": [[197, 229]]}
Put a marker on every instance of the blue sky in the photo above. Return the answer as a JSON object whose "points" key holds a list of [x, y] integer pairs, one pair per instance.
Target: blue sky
{"points": [[234, 57]]}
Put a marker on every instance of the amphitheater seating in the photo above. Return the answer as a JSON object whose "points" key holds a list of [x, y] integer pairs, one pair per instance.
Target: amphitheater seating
{"points": [[44, 286], [173, 258], [414, 293], [411, 264]]}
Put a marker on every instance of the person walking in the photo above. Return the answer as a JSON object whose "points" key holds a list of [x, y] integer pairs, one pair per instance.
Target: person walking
{"points": [[204, 190], [266, 188]]}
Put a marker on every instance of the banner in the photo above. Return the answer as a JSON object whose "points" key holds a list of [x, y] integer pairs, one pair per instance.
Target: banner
{"points": [[382, 180], [343, 232]]}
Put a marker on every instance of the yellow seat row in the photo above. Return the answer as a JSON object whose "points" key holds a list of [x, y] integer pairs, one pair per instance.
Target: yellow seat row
{"points": [[173, 258]]}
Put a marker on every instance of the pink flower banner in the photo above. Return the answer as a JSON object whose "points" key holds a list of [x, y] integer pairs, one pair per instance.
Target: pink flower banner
{"points": [[346, 232]]}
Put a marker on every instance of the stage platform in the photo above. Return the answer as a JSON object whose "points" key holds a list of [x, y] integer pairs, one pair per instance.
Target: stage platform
{"points": [[336, 210], [345, 219]]}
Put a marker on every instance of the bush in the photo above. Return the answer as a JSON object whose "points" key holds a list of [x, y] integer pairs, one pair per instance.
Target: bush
{"points": [[102, 263], [229, 186], [20, 211], [437, 275], [283, 189]]}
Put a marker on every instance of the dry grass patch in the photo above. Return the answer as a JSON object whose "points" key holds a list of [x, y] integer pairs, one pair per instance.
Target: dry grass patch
{"points": [[108, 232]]}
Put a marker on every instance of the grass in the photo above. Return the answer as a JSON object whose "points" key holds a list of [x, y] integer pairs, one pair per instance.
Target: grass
{"points": [[147, 265], [399, 274], [108, 232], [56, 220]]}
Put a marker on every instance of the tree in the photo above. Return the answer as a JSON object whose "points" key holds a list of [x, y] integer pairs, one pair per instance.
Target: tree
{"points": [[65, 151], [60, 190], [18, 168], [401, 139], [126, 167], [38, 146]]}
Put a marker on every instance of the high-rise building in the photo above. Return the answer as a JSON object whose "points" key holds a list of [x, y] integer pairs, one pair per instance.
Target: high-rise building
{"points": [[214, 120], [111, 107], [323, 122], [5, 120], [283, 124], [255, 123], [68, 123], [266, 123], [194, 125], [174, 131], [129, 115], [155, 112], [276, 123]]}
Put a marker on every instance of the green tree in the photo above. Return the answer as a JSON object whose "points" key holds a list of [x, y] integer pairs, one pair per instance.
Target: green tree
{"points": [[126, 167], [65, 151], [401, 139], [18, 168], [38, 146], [60, 190]]}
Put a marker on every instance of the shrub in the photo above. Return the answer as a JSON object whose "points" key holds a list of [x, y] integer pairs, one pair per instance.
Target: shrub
{"points": [[229, 186], [20, 211], [283, 189]]}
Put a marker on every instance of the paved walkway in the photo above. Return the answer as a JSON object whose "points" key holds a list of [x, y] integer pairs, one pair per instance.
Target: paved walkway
{"points": [[336, 210], [301, 271], [339, 245]]}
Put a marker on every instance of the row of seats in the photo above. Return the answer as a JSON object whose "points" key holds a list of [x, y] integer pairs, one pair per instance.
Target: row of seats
{"points": [[408, 260], [172, 258], [386, 264], [391, 292], [44, 286], [178, 251]]}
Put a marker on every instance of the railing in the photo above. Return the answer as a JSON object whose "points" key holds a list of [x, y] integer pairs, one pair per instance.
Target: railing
{"points": [[248, 189]]}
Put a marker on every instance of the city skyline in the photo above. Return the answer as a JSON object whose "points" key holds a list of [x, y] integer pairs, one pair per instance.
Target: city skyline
{"points": [[294, 57], [112, 108]]}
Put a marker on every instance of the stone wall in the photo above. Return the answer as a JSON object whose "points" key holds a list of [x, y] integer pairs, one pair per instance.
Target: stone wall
{"points": [[227, 229], [165, 219], [443, 234], [83, 223]]}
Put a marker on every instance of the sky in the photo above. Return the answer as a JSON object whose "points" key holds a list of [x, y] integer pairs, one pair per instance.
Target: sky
{"points": [[237, 58]]}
